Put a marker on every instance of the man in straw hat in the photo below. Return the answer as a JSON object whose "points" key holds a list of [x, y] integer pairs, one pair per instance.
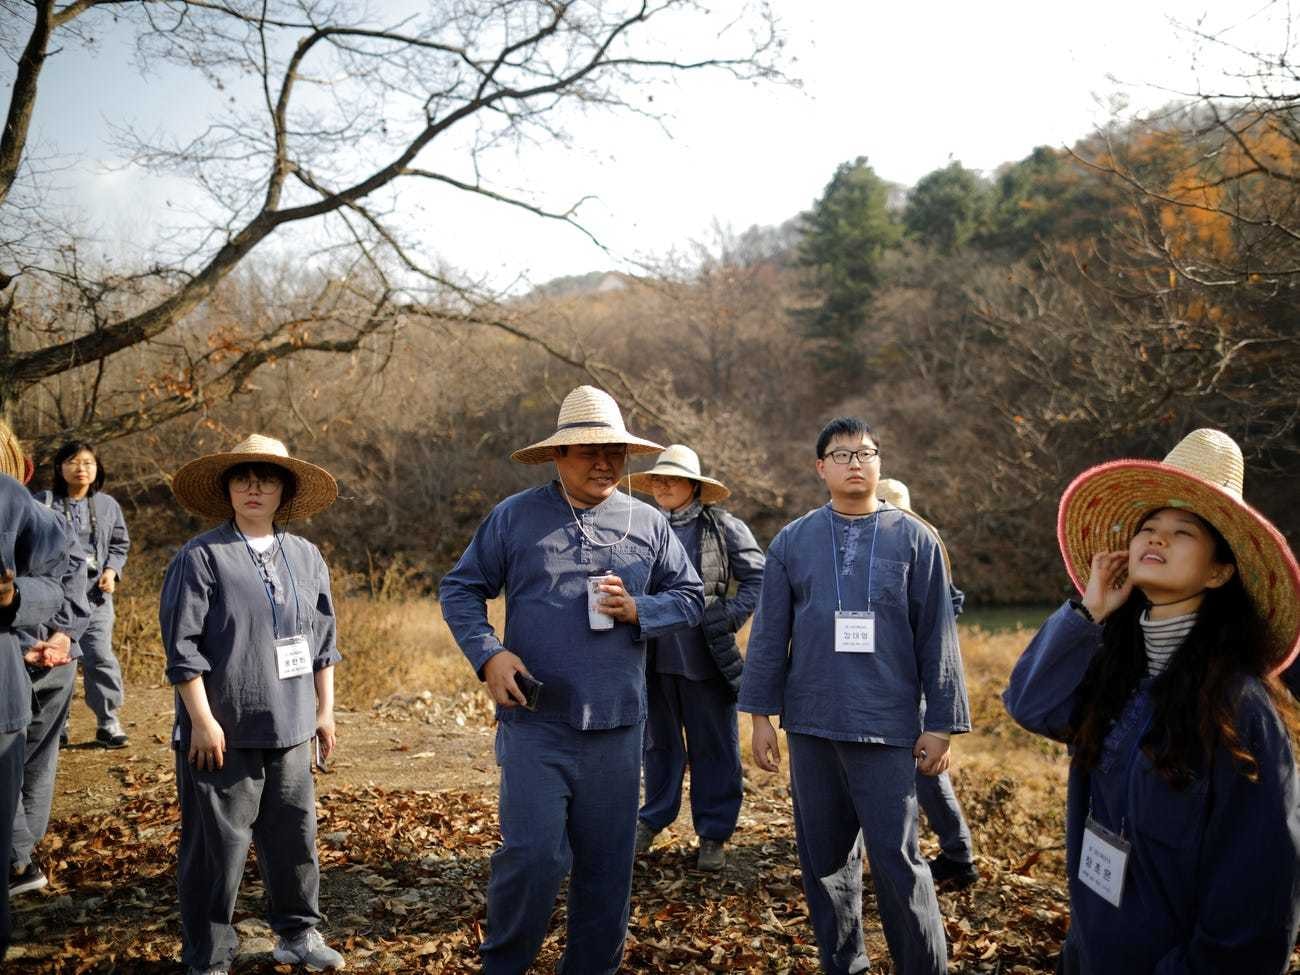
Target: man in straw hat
{"points": [[853, 628], [955, 864], [1183, 807], [248, 626], [33, 560], [695, 674], [569, 750]]}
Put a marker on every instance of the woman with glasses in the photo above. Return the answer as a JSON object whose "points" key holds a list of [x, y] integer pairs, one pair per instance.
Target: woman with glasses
{"points": [[248, 627], [96, 520], [693, 675]]}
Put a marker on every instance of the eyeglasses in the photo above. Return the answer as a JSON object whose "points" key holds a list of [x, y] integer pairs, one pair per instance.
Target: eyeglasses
{"points": [[80, 463], [247, 482], [866, 455], [667, 480]]}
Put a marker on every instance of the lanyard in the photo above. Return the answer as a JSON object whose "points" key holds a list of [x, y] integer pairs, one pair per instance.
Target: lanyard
{"points": [[94, 521], [875, 529], [266, 579]]}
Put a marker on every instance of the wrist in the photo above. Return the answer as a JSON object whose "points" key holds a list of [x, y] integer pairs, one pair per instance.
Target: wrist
{"points": [[1087, 612]]}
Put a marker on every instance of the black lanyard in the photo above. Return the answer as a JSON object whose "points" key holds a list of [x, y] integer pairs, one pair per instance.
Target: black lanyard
{"points": [[266, 579], [94, 521]]}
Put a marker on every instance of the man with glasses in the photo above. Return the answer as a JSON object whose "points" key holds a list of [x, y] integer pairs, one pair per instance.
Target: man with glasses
{"points": [[853, 627]]}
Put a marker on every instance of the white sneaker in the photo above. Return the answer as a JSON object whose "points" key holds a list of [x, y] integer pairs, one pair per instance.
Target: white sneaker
{"points": [[307, 948]]}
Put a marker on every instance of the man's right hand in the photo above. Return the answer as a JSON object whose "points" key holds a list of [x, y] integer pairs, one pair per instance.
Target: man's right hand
{"points": [[767, 750], [499, 675]]}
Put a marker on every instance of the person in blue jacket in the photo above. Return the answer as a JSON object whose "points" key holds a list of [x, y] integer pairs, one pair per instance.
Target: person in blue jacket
{"points": [[1183, 808], [33, 558], [589, 575], [954, 866], [693, 675], [96, 519], [854, 627]]}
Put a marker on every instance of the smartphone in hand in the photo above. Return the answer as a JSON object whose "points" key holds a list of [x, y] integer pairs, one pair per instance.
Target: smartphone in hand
{"points": [[531, 688]]}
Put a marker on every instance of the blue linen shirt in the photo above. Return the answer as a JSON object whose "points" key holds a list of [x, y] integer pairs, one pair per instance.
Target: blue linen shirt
{"points": [[530, 546], [792, 668], [217, 621], [1213, 877], [110, 543], [33, 545], [73, 615]]}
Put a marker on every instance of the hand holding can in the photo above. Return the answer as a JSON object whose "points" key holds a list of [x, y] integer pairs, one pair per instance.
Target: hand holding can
{"points": [[597, 618]]}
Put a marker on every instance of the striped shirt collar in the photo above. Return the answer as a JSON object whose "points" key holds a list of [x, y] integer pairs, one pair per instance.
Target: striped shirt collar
{"points": [[1163, 638]]}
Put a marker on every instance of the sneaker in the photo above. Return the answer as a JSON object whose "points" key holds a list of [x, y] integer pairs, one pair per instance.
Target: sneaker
{"points": [[711, 857], [110, 738], [953, 874], [307, 948], [645, 837], [29, 878]]}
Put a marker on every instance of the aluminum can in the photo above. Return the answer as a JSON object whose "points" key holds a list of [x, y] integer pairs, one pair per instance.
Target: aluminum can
{"points": [[595, 618]]}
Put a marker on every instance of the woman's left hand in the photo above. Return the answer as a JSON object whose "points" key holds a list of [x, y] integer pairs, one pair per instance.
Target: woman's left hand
{"points": [[108, 581], [325, 732]]}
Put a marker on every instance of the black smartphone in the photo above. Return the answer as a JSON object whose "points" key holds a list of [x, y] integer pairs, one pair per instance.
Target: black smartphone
{"points": [[531, 688]]}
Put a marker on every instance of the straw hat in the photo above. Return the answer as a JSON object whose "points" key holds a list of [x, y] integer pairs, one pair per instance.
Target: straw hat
{"points": [[13, 461], [1101, 509], [197, 485], [897, 494], [587, 416], [680, 461]]}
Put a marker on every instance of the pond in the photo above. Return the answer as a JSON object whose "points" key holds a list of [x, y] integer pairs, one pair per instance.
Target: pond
{"points": [[998, 619]]}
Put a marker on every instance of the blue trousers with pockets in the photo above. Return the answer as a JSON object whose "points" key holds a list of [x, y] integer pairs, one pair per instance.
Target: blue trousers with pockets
{"points": [[100, 673], [848, 795], [51, 697], [943, 812], [705, 712], [12, 748], [567, 806]]}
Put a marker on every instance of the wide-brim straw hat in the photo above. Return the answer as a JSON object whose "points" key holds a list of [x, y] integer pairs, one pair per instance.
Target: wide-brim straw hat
{"points": [[587, 416], [198, 486], [897, 494], [678, 460], [1101, 509]]}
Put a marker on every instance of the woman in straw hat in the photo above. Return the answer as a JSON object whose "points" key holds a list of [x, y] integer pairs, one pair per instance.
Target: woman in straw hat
{"points": [[49, 650], [248, 626], [954, 866], [1183, 819], [33, 560], [694, 674], [77, 493], [568, 678]]}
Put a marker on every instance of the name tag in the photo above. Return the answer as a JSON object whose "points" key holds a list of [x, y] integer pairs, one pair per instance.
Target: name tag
{"points": [[855, 632], [1102, 862], [292, 657]]}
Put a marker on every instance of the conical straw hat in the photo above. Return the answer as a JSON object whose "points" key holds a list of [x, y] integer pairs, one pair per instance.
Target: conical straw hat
{"points": [[678, 460], [198, 487], [897, 494], [1100, 512], [587, 416]]}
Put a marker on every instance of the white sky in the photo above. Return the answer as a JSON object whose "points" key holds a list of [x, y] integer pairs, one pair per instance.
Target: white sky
{"points": [[909, 85]]}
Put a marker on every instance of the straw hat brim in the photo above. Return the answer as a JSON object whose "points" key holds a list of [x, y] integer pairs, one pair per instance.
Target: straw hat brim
{"points": [[711, 491], [197, 485], [544, 450], [1100, 512]]}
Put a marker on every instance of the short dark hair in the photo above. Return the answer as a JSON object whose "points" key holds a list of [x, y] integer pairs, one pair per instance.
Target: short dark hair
{"points": [[262, 470], [58, 485], [844, 426]]}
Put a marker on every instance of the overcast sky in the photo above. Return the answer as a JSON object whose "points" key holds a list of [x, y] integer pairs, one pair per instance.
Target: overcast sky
{"points": [[909, 85]]}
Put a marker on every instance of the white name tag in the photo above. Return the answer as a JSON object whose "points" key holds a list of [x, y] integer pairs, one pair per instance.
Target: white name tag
{"points": [[855, 632], [292, 657], [1102, 862]]}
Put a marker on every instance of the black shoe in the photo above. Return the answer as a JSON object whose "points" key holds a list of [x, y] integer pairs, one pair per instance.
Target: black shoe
{"points": [[29, 878], [64, 741], [952, 874], [111, 739]]}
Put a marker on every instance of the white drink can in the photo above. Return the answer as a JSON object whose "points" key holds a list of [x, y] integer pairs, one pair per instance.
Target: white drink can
{"points": [[597, 619]]}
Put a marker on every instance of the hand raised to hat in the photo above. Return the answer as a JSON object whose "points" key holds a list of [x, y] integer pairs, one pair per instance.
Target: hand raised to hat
{"points": [[1102, 596], [618, 602]]}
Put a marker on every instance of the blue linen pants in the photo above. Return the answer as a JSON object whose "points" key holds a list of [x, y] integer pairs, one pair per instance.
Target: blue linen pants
{"points": [[12, 749], [847, 795], [705, 710], [51, 697], [264, 796], [943, 812], [101, 675], [567, 806]]}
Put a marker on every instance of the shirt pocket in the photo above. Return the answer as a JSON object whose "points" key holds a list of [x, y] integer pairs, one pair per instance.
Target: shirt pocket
{"points": [[631, 563], [1169, 816], [888, 582]]}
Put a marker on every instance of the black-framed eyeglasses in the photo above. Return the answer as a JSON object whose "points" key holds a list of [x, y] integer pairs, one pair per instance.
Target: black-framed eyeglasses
{"points": [[865, 454]]}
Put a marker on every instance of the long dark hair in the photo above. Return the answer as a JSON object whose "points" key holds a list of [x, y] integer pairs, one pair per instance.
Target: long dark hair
{"points": [[1195, 699], [71, 449]]}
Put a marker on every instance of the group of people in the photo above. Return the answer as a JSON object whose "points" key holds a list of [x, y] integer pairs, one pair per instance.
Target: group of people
{"points": [[619, 664]]}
